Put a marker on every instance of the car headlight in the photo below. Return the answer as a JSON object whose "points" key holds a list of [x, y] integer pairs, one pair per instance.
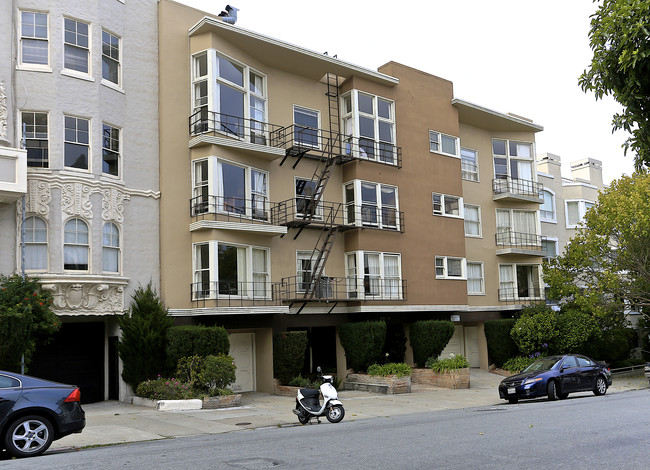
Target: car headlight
{"points": [[531, 381]]}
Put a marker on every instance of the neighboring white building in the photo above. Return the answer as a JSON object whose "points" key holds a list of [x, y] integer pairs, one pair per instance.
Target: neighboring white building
{"points": [[79, 83]]}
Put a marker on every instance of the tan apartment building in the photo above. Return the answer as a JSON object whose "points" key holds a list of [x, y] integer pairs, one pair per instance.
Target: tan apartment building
{"points": [[300, 192]]}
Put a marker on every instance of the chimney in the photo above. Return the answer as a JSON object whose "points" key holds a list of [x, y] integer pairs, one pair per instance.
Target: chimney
{"points": [[588, 169]]}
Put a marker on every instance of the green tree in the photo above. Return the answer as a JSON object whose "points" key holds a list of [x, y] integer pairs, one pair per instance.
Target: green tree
{"points": [[606, 265], [620, 40], [143, 344], [26, 319]]}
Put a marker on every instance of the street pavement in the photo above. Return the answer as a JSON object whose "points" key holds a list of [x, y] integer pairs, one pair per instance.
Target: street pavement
{"points": [[113, 422]]}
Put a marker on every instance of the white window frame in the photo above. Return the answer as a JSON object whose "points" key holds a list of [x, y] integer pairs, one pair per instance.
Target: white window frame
{"points": [[111, 248], [23, 38], [514, 282], [482, 278], [510, 159], [478, 222], [511, 227], [31, 244], [441, 268], [316, 130], [318, 212], [356, 205], [542, 212], [582, 209], [389, 286], [469, 171], [435, 143], [32, 133], [443, 204], [111, 148], [556, 243], [76, 244], [118, 61], [70, 71], [304, 255], [77, 142]]}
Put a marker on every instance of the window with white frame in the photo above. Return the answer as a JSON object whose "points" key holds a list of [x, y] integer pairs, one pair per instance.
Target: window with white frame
{"points": [[575, 211], [223, 269], [76, 45], [223, 186], [472, 220], [369, 126], [446, 205], [110, 248], [34, 38], [35, 244], [549, 246], [111, 57], [519, 281], [373, 275], [304, 193], [200, 92], [306, 125], [443, 143], [517, 227], [110, 150], [475, 279], [76, 245], [36, 138], [547, 209], [469, 164], [512, 159], [448, 267], [372, 204], [305, 262], [76, 142]]}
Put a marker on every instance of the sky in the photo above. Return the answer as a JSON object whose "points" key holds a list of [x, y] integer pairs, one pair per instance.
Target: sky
{"points": [[518, 56]]}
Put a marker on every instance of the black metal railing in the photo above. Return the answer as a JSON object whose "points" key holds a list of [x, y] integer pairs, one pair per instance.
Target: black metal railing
{"points": [[348, 289], [235, 293], [257, 209], [507, 185], [521, 294], [371, 216], [524, 241], [250, 130]]}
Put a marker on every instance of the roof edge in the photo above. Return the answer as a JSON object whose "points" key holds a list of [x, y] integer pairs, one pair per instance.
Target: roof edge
{"points": [[523, 122]]}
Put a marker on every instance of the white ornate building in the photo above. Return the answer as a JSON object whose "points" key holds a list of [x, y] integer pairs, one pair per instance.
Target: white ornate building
{"points": [[78, 91]]}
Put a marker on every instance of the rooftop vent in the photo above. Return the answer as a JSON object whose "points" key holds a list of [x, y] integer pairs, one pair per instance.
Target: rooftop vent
{"points": [[229, 15]]}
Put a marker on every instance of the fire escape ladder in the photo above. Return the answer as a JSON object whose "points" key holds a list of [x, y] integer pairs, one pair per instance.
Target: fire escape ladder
{"points": [[333, 104], [320, 255]]}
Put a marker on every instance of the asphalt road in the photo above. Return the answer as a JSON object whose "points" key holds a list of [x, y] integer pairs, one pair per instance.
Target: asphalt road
{"points": [[582, 432]]}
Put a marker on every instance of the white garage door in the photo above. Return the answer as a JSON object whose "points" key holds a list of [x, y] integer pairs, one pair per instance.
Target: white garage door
{"points": [[242, 350]]}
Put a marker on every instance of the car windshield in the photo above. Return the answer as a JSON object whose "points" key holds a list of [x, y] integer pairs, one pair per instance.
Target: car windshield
{"points": [[545, 363]]}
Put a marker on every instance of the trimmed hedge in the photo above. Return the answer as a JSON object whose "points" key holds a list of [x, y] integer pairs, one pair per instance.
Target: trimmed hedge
{"points": [[196, 340], [429, 338], [289, 355], [500, 345], [363, 343]]}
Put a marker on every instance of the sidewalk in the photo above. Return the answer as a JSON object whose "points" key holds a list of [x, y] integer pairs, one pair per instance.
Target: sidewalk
{"points": [[113, 422]]}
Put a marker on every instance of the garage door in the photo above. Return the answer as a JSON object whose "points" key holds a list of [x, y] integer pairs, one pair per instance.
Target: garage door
{"points": [[242, 350]]}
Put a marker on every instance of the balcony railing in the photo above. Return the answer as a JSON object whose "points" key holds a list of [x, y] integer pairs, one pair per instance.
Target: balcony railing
{"points": [[231, 208], [521, 294], [249, 130], [507, 185], [371, 216], [519, 240], [348, 289], [235, 293]]}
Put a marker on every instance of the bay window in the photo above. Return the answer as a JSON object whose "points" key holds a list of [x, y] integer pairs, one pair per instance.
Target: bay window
{"points": [[513, 167], [372, 205], [517, 227], [76, 46], [373, 275], [76, 246], [36, 139], [519, 281], [35, 244], [111, 248]]}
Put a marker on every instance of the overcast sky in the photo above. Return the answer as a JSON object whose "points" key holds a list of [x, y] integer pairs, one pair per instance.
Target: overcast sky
{"points": [[518, 56]]}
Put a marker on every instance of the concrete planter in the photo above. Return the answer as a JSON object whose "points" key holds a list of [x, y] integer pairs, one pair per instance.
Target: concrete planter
{"points": [[284, 390], [390, 384], [208, 403], [224, 401], [448, 379]]}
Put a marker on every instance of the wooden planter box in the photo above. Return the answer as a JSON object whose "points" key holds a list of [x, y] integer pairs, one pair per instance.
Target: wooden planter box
{"points": [[449, 379], [284, 390], [390, 384]]}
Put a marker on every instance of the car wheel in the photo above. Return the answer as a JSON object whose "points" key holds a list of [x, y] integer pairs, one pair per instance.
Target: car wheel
{"points": [[335, 414], [551, 391], [600, 388], [562, 396], [28, 436], [513, 401]]}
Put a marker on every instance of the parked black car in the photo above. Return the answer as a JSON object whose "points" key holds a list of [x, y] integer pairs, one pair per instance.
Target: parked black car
{"points": [[555, 377], [34, 412], [646, 371]]}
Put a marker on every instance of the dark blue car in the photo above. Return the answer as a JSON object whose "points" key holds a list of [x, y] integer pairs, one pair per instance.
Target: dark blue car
{"points": [[555, 377], [35, 412]]}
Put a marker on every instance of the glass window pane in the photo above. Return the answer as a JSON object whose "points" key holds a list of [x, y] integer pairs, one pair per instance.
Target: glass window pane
{"points": [[231, 72], [365, 103], [499, 147], [449, 144], [454, 267], [366, 127], [384, 108], [76, 58], [76, 156], [385, 131]]}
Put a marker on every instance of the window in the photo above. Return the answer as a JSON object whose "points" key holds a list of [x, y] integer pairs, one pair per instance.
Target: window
{"points": [[76, 46], [34, 44], [519, 281], [547, 210], [305, 130], [75, 245], [550, 248], [517, 227], [305, 191], [378, 205], [469, 164], [373, 275], [225, 269], [200, 92], [472, 220], [475, 281], [305, 261], [36, 139], [369, 127], [110, 150], [449, 206], [35, 244], [110, 57], [443, 143], [77, 138], [111, 248], [512, 159], [450, 268], [575, 212]]}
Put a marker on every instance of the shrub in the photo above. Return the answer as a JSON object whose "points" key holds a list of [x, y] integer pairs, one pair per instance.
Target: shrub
{"points": [[363, 343], [613, 345], [15, 327], [164, 389], [218, 372], [454, 362], [392, 368], [196, 340], [535, 328], [302, 382], [189, 369], [519, 363], [429, 338], [575, 330], [500, 345], [289, 355]]}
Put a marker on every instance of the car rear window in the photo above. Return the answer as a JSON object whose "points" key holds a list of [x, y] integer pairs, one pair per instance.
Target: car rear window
{"points": [[8, 382]]}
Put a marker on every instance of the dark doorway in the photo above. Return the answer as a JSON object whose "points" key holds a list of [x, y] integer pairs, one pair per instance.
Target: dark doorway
{"points": [[322, 346], [75, 356], [113, 369]]}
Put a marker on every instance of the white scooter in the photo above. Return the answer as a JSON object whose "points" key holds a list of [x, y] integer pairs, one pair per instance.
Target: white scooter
{"points": [[308, 404]]}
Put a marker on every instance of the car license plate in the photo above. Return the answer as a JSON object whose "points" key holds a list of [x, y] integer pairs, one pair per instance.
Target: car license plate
{"points": [[512, 390]]}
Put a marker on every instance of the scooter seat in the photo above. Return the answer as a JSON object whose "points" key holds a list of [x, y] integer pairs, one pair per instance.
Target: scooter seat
{"points": [[309, 392]]}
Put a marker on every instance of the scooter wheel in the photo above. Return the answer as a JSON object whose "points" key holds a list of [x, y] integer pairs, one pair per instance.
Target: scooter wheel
{"points": [[303, 418], [335, 414]]}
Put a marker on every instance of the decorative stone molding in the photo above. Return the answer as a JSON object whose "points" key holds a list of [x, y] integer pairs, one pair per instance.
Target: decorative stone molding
{"points": [[75, 200], [3, 111], [113, 204], [38, 198], [79, 296]]}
